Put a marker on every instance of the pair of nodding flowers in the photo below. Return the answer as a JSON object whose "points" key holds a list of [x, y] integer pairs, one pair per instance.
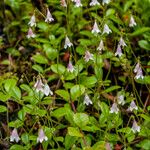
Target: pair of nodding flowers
{"points": [[44, 88], [96, 30], [32, 23], [15, 137]]}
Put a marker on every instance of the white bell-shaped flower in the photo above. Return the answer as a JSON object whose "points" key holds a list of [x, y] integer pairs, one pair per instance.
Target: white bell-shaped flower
{"points": [[132, 22], [41, 136], [14, 136], [135, 128], [87, 100], [95, 29], [49, 17], [106, 29], [94, 2], [32, 21], [114, 108], [67, 43]]}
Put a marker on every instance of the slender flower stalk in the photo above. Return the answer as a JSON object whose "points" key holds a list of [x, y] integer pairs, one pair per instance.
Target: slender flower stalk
{"points": [[95, 29], [132, 22], [41, 136], [67, 43], [32, 21], [49, 17], [106, 29], [14, 136], [135, 128], [88, 56], [30, 34], [94, 2], [114, 108], [87, 100]]}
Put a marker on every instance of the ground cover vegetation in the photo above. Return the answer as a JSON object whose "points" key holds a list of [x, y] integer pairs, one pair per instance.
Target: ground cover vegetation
{"points": [[74, 74]]}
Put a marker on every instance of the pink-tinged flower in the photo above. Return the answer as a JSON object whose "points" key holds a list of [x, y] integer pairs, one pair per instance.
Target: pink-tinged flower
{"points": [[41, 136], [105, 2], [63, 3], [47, 90], [101, 46], [88, 56], [135, 128], [121, 42], [132, 106], [39, 86], [94, 2], [114, 108], [78, 3], [138, 71], [95, 29], [139, 74], [107, 146], [32, 21], [49, 17], [119, 51], [70, 67], [132, 22], [137, 67], [106, 29], [14, 136], [87, 100], [67, 43], [30, 34]]}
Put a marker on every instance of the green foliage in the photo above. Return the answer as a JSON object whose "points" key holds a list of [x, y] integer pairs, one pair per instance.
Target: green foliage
{"points": [[87, 92]]}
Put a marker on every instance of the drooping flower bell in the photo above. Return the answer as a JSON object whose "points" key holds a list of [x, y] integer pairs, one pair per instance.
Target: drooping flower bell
{"points": [[106, 29], [41, 136], [87, 100], [94, 2], [101, 46], [105, 2], [132, 106], [138, 71], [49, 17], [122, 42], [107, 146], [132, 22], [95, 29], [135, 128], [32, 21], [46, 90], [30, 34], [119, 51], [39, 86], [67, 43], [14, 136], [88, 56], [114, 108], [63, 3], [78, 3], [120, 98], [70, 67]]}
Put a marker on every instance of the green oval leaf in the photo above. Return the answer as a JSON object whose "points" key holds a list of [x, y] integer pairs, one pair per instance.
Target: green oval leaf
{"points": [[76, 91]]}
